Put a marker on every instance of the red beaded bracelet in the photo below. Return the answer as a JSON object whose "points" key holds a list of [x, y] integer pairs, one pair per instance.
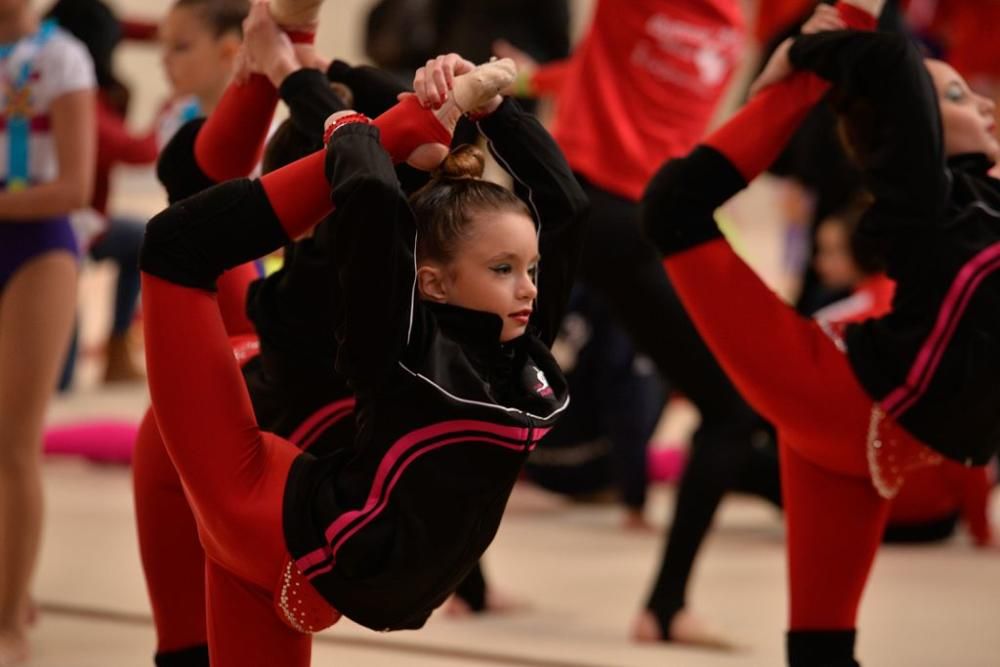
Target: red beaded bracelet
{"points": [[340, 122]]}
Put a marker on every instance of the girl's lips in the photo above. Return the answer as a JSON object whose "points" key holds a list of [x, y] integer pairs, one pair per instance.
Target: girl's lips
{"points": [[521, 316]]}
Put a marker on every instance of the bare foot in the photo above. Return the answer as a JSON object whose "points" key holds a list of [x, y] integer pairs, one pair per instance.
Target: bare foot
{"points": [[685, 628], [30, 613], [646, 630], [13, 648], [476, 89], [496, 603], [456, 607], [635, 522], [499, 602]]}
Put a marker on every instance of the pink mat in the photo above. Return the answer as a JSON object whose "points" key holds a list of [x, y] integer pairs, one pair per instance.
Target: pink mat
{"points": [[108, 441]]}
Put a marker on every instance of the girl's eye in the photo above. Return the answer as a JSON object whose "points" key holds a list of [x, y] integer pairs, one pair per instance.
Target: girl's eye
{"points": [[533, 272], [502, 269], [954, 93]]}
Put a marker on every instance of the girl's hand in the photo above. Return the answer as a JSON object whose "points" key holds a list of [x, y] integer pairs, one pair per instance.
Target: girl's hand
{"points": [[266, 48], [433, 82], [825, 18], [308, 56], [777, 68]]}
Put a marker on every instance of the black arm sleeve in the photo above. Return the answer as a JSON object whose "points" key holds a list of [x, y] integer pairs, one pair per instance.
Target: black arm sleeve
{"points": [[310, 101], [177, 169], [374, 231], [544, 181], [678, 207], [374, 90], [904, 167], [294, 309], [193, 241]]}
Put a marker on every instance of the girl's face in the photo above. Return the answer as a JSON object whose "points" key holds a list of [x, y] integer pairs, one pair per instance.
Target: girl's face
{"points": [[834, 262], [197, 62], [968, 119], [493, 270]]}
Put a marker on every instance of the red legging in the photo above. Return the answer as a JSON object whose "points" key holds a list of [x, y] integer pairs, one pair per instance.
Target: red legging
{"points": [[793, 374], [233, 473], [790, 371], [172, 558]]}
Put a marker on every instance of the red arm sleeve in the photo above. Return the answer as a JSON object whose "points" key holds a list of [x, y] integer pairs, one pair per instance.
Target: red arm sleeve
{"points": [[231, 142], [232, 289], [120, 145], [300, 192], [548, 78], [139, 30], [754, 137]]}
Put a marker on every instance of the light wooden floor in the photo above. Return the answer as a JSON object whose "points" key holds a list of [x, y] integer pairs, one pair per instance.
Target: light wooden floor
{"points": [[582, 575]]}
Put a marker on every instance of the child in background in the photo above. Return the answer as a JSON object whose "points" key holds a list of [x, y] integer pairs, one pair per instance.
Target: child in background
{"points": [[47, 171], [115, 238], [201, 41]]}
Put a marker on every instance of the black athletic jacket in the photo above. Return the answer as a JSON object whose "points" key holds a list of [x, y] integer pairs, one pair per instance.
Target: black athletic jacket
{"points": [[446, 415], [933, 362]]}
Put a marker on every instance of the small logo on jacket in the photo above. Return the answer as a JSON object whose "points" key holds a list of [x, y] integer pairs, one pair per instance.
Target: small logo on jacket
{"points": [[542, 388]]}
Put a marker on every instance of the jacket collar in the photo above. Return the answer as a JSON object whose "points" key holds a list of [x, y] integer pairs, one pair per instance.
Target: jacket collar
{"points": [[976, 163], [477, 328]]}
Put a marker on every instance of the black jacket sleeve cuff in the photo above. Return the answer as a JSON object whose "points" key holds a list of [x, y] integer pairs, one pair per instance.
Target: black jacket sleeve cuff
{"points": [[678, 207]]}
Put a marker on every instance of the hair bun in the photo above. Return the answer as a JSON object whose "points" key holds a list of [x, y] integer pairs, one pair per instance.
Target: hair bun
{"points": [[466, 161]]}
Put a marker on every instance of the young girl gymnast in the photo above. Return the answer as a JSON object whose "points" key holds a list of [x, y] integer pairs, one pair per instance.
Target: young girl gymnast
{"points": [[288, 365], [452, 388], [856, 412], [935, 499]]}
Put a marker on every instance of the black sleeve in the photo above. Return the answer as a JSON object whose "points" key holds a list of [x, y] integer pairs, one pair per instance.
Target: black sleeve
{"points": [[678, 207], [177, 169], [372, 248], [310, 101], [374, 90], [194, 240], [294, 309], [544, 181], [904, 168]]}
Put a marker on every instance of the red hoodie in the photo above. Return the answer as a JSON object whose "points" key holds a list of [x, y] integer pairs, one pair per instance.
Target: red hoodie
{"points": [[642, 86]]}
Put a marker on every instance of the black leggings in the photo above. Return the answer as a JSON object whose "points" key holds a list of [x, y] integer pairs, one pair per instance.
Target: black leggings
{"points": [[622, 266]]}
